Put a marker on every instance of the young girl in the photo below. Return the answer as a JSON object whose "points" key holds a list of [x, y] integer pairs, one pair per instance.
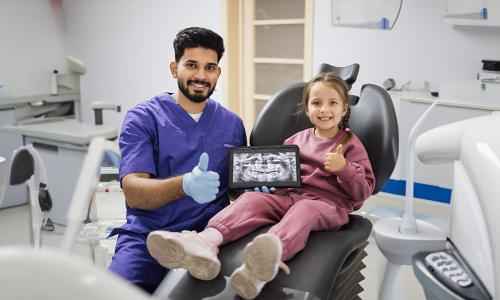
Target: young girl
{"points": [[336, 179]]}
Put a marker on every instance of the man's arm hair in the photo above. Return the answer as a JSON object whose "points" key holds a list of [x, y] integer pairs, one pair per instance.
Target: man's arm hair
{"points": [[143, 192]]}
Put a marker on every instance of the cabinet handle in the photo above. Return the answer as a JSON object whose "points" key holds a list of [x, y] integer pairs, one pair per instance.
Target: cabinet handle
{"points": [[45, 147]]}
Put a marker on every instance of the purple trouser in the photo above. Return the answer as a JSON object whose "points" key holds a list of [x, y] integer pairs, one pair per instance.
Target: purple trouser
{"points": [[133, 262], [294, 215]]}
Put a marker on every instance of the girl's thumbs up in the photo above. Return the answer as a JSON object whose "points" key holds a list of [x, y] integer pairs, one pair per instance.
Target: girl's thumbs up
{"points": [[339, 149]]}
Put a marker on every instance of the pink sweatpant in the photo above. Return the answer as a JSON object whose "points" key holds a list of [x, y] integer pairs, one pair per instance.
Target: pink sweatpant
{"points": [[294, 215]]}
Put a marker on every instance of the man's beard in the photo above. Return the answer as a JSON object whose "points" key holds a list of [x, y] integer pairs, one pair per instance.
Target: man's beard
{"points": [[195, 97]]}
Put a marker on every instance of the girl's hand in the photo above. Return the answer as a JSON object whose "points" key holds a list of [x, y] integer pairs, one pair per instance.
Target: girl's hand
{"points": [[335, 161]]}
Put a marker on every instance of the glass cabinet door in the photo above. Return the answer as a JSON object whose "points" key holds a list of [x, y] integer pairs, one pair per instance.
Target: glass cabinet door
{"points": [[375, 14], [279, 9], [280, 56], [466, 9]]}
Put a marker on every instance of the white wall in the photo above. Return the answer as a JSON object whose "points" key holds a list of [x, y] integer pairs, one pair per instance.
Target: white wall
{"points": [[126, 46], [31, 46], [420, 47]]}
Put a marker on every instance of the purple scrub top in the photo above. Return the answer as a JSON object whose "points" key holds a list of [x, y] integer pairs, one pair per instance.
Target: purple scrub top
{"points": [[160, 138]]}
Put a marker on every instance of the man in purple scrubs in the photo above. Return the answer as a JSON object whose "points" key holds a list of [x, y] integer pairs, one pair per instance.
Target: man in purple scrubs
{"points": [[168, 180]]}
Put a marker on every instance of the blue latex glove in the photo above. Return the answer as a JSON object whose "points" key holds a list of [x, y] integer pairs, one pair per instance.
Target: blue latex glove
{"points": [[262, 189], [200, 184]]}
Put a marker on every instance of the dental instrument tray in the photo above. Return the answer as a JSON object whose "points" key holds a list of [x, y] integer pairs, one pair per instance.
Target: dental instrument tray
{"points": [[271, 166]]}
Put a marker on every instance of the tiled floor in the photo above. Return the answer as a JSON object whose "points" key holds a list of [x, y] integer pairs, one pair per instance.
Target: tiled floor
{"points": [[14, 231]]}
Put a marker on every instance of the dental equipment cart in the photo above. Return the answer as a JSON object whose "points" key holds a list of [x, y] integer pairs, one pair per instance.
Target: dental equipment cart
{"points": [[61, 141]]}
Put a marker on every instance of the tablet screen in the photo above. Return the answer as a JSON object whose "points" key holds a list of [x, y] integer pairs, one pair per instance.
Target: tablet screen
{"points": [[272, 166]]}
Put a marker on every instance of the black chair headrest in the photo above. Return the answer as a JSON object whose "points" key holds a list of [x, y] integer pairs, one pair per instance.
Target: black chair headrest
{"points": [[348, 73]]}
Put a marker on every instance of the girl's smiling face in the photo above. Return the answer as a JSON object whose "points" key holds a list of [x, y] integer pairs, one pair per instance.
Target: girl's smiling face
{"points": [[325, 109]]}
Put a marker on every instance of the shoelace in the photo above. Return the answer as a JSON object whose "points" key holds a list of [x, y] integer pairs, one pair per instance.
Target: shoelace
{"points": [[284, 267]]}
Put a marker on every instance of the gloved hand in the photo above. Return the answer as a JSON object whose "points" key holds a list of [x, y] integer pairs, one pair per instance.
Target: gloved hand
{"points": [[263, 189], [200, 184]]}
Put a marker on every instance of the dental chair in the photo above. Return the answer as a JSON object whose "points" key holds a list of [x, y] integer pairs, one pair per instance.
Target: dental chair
{"points": [[329, 267]]}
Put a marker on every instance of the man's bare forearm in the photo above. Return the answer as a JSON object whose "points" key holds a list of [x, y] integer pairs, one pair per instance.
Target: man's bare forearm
{"points": [[142, 192]]}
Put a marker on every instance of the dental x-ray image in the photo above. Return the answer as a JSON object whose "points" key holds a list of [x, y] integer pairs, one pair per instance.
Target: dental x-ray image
{"points": [[272, 166]]}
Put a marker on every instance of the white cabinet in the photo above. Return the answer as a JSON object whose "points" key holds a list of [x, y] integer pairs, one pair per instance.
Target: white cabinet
{"points": [[25, 109], [61, 180], [411, 105], [472, 12], [268, 67], [17, 194]]}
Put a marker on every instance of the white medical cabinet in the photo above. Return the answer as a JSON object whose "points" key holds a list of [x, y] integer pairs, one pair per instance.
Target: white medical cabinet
{"points": [[62, 145], [23, 110]]}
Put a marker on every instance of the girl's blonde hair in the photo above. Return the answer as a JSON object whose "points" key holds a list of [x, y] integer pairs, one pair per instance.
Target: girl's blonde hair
{"points": [[332, 80]]}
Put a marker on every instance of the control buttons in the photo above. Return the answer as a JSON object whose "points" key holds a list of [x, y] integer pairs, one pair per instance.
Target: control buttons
{"points": [[447, 268]]}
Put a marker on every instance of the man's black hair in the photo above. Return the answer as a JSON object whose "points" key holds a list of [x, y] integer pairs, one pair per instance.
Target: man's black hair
{"points": [[194, 37]]}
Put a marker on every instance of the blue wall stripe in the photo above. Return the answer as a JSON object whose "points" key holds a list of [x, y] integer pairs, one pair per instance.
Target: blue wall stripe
{"points": [[420, 190]]}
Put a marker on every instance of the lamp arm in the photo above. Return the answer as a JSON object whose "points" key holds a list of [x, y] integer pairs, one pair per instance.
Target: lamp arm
{"points": [[408, 223], [85, 188]]}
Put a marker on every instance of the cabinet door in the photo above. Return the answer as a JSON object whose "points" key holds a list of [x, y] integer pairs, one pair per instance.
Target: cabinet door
{"points": [[469, 9], [277, 50], [61, 183], [472, 12], [12, 195]]}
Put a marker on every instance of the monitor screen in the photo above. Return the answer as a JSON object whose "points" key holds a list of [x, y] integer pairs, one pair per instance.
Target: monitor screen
{"points": [[272, 166]]}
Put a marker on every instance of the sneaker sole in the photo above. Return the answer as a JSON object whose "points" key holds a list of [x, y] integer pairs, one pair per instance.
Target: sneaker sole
{"points": [[170, 253], [244, 283], [262, 257]]}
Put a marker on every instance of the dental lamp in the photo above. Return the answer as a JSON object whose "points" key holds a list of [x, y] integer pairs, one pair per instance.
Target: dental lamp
{"points": [[27, 166], [402, 237]]}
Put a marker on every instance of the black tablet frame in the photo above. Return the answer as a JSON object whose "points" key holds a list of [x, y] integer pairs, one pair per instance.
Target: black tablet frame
{"points": [[265, 149]]}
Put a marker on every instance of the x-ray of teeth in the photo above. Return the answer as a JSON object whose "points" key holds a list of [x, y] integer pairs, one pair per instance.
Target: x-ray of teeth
{"points": [[264, 167]]}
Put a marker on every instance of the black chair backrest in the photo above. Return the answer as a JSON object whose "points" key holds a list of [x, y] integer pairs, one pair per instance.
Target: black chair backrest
{"points": [[373, 120]]}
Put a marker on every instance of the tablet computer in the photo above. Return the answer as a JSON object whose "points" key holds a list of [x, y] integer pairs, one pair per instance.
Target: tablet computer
{"points": [[272, 166]]}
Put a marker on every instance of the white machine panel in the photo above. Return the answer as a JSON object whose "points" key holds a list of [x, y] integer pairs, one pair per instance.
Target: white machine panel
{"points": [[474, 145]]}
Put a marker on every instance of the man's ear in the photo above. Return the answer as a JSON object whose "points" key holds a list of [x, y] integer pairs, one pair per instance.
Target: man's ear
{"points": [[173, 69]]}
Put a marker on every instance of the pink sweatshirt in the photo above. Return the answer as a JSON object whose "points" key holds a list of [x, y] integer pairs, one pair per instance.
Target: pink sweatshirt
{"points": [[348, 188]]}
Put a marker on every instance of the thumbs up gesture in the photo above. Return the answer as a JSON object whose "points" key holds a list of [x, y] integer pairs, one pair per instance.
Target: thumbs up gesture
{"points": [[335, 161], [200, 184]]}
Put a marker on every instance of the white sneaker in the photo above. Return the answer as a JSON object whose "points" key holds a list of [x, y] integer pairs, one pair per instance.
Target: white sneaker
{"points": [[185, 250], [262, 263]]}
